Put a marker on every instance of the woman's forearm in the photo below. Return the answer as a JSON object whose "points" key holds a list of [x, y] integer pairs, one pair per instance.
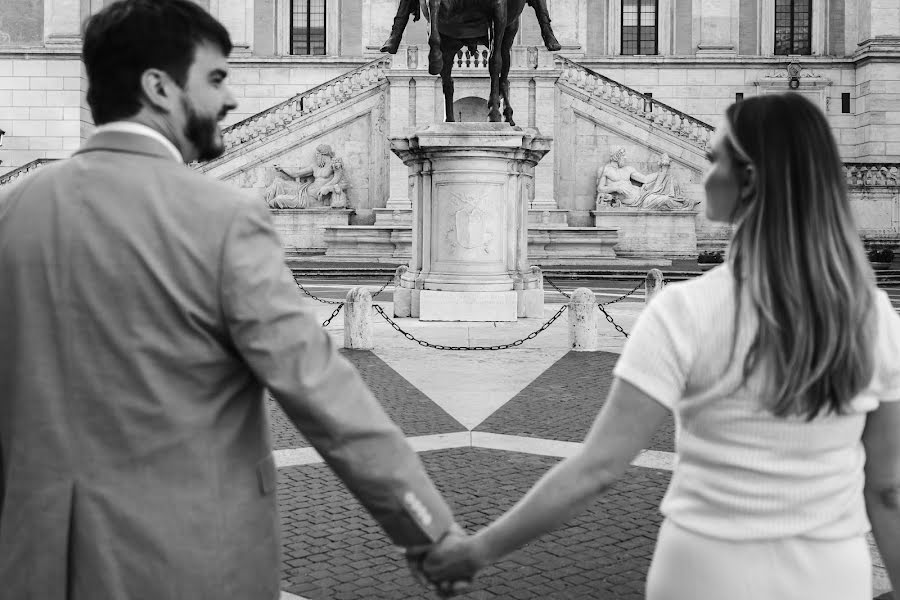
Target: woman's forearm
{"points": [[563, 492]]}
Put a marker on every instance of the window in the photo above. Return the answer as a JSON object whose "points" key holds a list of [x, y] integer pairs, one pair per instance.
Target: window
{"points": [[639, 26], [308, 27], [792, 26]]}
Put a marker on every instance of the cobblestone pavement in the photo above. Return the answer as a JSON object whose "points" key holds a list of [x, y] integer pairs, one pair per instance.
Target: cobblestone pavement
{"points": [[406, 405], [334, 550], [562, 402]]}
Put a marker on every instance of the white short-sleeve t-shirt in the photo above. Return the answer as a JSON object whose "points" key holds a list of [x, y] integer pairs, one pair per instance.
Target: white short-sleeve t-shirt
{"points": [[742, 472]]}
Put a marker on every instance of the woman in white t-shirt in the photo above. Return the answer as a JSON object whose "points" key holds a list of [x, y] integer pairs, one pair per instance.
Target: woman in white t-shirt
{"points": [[782, 369]]}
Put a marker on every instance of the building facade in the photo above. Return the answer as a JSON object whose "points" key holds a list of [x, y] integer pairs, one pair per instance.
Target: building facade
{"points": [[621, 60]]}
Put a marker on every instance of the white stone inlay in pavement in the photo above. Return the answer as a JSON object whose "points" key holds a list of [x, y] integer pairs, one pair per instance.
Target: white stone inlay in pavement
{"points": [[290, 596], [441, 441], [466, 384]]}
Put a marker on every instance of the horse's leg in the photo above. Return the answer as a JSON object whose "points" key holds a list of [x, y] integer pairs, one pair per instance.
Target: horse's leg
{"points": [[498, 22], [508, 38], [406, 9], [435, 60], [449, 47], [543, 18]]}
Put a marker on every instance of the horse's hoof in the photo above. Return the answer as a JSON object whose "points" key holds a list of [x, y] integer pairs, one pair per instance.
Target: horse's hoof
{"points": [[511, 122], [435, 68], [551, 43], [494, 117]]}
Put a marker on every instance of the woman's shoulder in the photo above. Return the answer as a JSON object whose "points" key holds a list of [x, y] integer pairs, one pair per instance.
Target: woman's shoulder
{"points": [[710, 289]]}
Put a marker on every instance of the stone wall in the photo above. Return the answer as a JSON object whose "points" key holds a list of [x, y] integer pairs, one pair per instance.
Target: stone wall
{"points": [[42, 108]]}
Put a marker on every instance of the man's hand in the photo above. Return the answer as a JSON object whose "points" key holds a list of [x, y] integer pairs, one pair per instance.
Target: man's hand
{"points": [[416, 557]]}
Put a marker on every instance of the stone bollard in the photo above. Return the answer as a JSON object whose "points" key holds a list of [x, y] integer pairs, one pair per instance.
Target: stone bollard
{"points": [[583, 335], [531, 295], [358, 319], [402, 295], [652, 284]]}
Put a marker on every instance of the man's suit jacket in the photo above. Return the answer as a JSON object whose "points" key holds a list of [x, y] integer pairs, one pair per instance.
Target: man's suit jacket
{"points": [[143, 310]]}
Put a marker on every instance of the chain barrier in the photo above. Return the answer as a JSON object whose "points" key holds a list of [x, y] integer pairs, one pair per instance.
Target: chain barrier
{"points": [[327, 321], [411, 337], [611, 322], [326, 301], [600, 305]]}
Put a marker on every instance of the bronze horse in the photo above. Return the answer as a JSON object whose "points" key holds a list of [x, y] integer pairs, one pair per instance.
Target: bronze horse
{"points": [[456, 24]]}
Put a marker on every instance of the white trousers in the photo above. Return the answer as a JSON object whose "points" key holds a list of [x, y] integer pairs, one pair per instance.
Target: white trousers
{"points": [[690, 566]]}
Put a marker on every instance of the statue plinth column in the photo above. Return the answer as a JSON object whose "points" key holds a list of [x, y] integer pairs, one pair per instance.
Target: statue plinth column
{"points": [[470, 192]]}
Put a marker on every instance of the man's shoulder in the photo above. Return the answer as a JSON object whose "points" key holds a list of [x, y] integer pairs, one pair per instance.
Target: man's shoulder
{"points": [[203, 186]]}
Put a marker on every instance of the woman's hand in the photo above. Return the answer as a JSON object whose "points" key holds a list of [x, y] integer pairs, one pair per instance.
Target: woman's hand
{"points": [[454, 559]]}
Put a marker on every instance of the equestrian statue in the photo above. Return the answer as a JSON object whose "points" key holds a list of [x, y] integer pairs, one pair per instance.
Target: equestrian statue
{"points": [[455, 24]]}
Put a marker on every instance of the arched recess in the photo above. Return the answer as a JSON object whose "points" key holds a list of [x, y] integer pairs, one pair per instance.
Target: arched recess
{"points": [[471, 109]]}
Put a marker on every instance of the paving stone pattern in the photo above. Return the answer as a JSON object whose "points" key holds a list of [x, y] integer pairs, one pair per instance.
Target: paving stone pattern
{"points": [[563, 401], [334, 551], [413, 411]]}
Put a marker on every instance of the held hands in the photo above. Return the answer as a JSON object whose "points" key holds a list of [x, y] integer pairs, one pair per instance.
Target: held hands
{"points": [[447, 567]]}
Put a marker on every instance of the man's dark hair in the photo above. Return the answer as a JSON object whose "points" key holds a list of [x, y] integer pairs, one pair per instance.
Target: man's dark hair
{"points": [[130, 36]]}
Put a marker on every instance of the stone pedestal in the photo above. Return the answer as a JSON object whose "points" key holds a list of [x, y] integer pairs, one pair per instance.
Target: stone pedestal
{"points": [[302, 230], [469, 190], [651, 233]]}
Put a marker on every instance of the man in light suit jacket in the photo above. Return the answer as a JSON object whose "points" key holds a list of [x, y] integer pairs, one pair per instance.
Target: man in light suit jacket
{"points": [[144, 310]]}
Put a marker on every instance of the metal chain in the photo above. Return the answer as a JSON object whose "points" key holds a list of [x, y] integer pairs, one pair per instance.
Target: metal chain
{"points": [[622, 297], [323, 300], [308, 293], [386, 283], [327, 321], [600, 305], [530, 336], [610, 319], [556, 287]]}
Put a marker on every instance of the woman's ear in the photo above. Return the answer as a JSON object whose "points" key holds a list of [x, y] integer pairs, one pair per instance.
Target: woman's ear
{"points": [[747, 181]]}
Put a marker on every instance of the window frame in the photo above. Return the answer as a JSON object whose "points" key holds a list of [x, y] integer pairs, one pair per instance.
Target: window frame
{"points": [[655, 28], [793, 38], [818, 29], [283, 34]]}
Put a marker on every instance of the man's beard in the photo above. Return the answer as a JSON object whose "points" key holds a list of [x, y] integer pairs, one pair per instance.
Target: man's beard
{"points": [[203, 133]]}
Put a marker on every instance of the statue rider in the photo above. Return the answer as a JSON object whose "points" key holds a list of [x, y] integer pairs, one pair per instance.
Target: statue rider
{"points": [[409, 8]]}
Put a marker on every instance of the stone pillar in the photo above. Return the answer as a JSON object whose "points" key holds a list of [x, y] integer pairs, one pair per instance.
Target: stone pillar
{"points": [[358, 319], [652, 284], [402, 293], [238, 18], [62, 22], [718, 30], [544, 173], [878, 89], [470, 240], [530, 292], [583, 332]]}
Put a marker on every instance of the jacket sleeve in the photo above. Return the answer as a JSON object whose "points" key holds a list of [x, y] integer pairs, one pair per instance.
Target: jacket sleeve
{"points": [[288, 350]]}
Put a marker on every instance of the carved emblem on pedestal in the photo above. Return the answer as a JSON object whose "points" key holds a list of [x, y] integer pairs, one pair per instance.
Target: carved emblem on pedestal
{"points": [[470, 226]]}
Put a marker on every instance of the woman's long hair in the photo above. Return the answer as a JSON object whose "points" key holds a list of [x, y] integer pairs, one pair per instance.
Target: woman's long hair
{"points": [[797, 255]]}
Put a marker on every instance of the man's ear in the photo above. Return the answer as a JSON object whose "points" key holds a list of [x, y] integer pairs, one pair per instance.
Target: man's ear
{"points": [[158, 89]]}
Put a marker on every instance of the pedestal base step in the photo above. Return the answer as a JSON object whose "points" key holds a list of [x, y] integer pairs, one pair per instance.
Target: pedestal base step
{"points": [[437, 305]]}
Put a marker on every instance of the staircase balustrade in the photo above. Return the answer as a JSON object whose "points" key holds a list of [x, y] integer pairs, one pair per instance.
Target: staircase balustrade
{"points": [[20, 172], [332, 92], [662, 115]]}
